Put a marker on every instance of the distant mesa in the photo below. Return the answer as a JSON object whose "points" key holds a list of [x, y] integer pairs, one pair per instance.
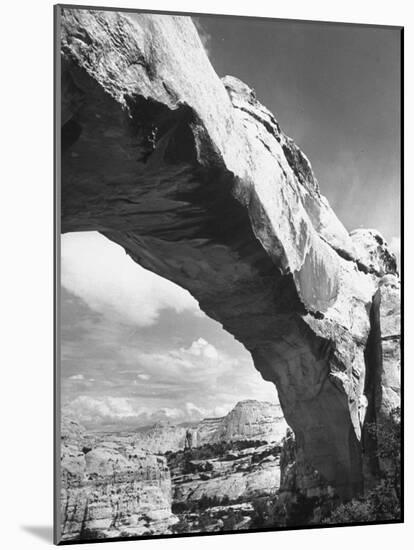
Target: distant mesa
{"points": [[248, 420]]}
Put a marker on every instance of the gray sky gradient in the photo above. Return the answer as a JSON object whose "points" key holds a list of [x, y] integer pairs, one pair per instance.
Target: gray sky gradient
{"points": [[136, 348]]}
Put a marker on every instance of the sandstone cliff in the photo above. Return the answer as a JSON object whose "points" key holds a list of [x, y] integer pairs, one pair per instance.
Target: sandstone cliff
{"points": [[111, 490], [198, 183], [161, 437], [248, 420]]}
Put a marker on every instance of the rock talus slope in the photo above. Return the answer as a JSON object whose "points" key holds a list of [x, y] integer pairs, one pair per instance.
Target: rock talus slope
{"points": [[198, 183]]}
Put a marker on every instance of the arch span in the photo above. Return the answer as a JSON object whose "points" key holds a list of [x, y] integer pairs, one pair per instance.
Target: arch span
{"points": [[198, 183]]}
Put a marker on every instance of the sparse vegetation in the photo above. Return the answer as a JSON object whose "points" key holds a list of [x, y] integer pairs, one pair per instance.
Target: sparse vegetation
{"points": [[193, 506], [383, 503], [213, 450]]}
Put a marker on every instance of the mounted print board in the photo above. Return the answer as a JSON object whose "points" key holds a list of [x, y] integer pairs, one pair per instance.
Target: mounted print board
{"points": [[228, 201]]}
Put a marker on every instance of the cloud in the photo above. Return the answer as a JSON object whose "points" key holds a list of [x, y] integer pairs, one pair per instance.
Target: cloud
{"points": [[222, 410], [100, 272], [125, 387], [183, 384], [201, 348], [104, 411], [202, 376], [196, 412], [108, 412], [198, 364]]}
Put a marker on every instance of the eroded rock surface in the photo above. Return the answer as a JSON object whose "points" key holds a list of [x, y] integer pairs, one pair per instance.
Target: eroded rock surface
{"points": [[112, 486], [112, 490], [246, 474], [198, 183], [216, 486], [248, 420], [161, 437]]}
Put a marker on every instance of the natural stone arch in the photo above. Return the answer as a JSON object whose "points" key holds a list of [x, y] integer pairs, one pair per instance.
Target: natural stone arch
{"points": [[194, 178]]}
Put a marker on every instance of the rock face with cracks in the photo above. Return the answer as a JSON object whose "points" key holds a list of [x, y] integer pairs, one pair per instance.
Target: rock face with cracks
{"points": [[248, 420], [110, 489], [198, 183]]}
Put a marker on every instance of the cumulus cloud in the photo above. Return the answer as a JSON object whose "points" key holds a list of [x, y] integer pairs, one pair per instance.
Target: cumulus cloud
{"points": [[197, 413], [100, 272], [177, 384], [201, 348], [199, 363], [108, 412], [105, 411], [222, 410], [136, 349]]}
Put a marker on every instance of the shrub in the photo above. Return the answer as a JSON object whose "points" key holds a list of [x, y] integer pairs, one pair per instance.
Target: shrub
{"points": [[383, 503]]}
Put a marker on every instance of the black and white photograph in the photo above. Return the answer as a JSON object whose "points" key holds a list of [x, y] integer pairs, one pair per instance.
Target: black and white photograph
{"points": [[228, 261]]}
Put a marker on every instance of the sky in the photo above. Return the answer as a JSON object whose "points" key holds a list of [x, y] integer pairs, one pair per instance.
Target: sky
{"points": [[136, 348]]}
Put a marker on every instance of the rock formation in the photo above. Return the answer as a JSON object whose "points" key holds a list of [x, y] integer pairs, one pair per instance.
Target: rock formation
{"points": [[384, 346], [198, 183], [237, 475], [248, 420], [111, 490], [161, 437], [222, 481], [111, 486]]}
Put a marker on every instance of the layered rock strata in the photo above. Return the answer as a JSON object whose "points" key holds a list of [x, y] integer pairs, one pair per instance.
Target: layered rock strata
{"points": [[248, 420], [112, 490], [198, 183], [236, 476]]}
